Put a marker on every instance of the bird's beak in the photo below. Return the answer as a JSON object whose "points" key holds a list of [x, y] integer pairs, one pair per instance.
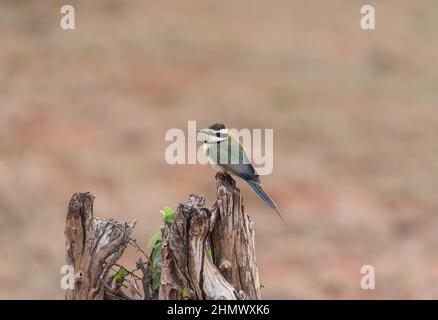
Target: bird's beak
{"points": [[204, 131]]}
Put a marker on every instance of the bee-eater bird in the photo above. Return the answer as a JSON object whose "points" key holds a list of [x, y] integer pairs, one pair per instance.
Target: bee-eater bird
{"points": [[227, 155]]}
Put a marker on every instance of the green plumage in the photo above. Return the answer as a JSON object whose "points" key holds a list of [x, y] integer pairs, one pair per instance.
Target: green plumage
{"points": [[230, 157]]}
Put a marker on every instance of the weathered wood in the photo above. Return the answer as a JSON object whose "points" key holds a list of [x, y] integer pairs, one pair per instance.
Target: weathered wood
{"points": [[185, 263], [93, 245], [231, 272], [206, 253], [233, 239], [175, 275]]}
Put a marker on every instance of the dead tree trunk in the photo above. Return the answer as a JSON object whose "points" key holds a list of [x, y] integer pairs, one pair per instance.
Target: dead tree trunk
{"points": [[206, 253], [93, 245], [233, 240], [210, 252]]}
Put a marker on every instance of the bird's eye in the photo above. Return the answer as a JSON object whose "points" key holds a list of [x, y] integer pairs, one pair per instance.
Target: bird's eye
{"points": [[218, 134]]}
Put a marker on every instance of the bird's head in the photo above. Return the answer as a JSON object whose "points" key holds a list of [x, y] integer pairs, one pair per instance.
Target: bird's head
{"points": [[215, 133]]}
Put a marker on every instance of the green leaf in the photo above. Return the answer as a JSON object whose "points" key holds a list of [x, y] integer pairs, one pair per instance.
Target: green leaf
{"points": [[156, 280], [209, 255], [168, 215], [156, 243], [120, 274], [156, 254], [155, 238], [185, 293]]}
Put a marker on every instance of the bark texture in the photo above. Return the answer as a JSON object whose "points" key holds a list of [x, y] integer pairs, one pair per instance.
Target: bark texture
{"points": [[233, 239], [93, 245], [206, 253], [210, 253]]}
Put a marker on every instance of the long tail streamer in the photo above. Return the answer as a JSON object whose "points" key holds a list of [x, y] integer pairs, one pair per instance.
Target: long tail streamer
{"points": [[262, 194]]}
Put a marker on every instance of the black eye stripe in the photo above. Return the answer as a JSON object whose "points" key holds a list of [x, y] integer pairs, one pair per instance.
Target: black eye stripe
{"points": [[218, 134]]}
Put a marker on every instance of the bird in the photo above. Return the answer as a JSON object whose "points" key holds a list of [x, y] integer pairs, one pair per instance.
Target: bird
{"points": [[227, 155]]}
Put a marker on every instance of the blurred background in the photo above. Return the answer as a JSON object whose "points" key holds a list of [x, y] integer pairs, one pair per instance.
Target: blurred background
{"points": [[355, 132]]}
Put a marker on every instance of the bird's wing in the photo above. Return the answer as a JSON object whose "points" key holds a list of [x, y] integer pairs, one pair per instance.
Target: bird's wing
{"points": [[244, 171], [238, 162]]}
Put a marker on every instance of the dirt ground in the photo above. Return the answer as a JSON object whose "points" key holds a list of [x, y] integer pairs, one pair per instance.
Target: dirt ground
{"points": [[354, 115]]}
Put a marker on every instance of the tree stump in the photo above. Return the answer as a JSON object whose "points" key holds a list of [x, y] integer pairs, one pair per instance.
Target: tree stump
{"points": [[206, 253], [230, 272], [233, 239], [93, 245]]}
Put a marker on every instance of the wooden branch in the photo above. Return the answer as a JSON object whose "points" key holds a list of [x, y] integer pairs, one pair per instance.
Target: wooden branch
{"points": [[93, 245], [146, 280]]}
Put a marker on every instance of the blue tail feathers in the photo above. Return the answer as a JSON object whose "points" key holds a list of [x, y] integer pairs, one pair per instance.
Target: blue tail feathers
{"points": [[262, 194]]}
